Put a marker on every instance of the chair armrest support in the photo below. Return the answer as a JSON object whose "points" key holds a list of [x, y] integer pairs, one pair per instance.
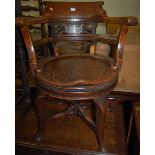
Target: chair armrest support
{"points": [[120, 46], [124, 22], [27, 21], [30, 48]]}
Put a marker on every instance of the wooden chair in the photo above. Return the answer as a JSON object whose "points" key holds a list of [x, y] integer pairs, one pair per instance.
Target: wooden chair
{"points": [[79, 76]]}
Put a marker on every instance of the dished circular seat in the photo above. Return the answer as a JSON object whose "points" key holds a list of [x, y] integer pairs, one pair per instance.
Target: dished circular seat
{"points": [[76, 71]]}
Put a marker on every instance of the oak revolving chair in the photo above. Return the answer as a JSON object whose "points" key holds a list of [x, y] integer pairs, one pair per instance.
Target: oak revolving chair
{"points": [[79, 76]]}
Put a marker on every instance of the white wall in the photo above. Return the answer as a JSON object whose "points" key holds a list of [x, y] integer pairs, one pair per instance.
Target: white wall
{"points": [[122, 7]]}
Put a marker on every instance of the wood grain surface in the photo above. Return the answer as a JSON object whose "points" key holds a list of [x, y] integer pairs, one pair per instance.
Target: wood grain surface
{"points": [[68, 134]]}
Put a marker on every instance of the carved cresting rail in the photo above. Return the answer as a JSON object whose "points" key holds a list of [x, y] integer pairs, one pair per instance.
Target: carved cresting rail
{"points": [[24, 22]]}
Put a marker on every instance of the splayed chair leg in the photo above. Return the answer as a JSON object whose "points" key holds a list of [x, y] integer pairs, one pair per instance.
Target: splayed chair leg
{"points": [[101, 109], [41, 116]]}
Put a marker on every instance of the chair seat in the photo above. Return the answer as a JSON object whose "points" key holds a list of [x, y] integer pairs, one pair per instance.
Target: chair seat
{"points": [[76, 70]]}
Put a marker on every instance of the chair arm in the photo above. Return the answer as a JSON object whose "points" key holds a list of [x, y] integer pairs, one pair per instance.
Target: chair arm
{"points": [[30, 48], [27, 21], [120, 46], [129, 21], [124, 22]]}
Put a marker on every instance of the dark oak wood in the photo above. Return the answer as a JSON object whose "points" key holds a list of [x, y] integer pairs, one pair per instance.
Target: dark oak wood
{"points": [[133, 133], [26, 21], [86, 70], [119, 95], [124, 21], [101, 109], [136, 112], [42, 118], [75, 11], [69, 134], [79, 37], [76, 76], [41, 28], [20, 58]]}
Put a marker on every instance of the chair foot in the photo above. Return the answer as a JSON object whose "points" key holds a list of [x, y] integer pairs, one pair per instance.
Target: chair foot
{"points": [[38, 137], [103, 149]]}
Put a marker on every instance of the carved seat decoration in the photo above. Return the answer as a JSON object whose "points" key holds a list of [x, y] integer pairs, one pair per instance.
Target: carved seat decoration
{"points": [[77, 76]]}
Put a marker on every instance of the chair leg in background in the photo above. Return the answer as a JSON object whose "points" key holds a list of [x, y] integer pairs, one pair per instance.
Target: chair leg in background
{"points": [[101, 109]]}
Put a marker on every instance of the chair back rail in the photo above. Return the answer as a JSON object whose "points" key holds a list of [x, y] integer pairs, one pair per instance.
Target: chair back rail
{"points": [[25, 22], [109, 41], [48, 18]]}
